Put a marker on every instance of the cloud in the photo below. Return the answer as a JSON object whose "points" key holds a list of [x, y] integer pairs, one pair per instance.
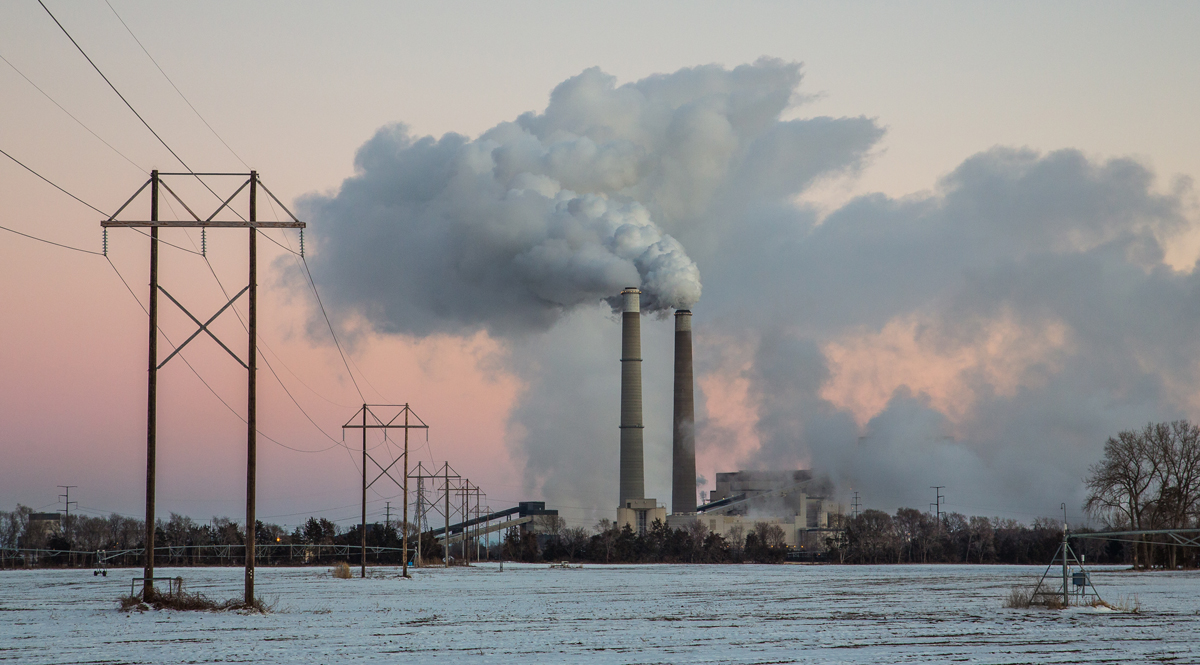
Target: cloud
{"points": [[988, 336]]}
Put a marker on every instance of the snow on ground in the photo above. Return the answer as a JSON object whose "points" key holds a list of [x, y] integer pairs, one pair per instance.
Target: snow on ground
{"points": [[602, 614]]}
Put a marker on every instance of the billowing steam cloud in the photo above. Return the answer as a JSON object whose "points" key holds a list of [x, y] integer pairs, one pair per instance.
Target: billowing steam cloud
{"points": [[505, 232], [987, 336]]}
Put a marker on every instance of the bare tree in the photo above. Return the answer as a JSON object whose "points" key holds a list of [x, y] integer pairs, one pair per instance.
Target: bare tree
{"points": [[1181, 474], [697, 532], [737, 540], [552, 525], [575, 540], [983, 537], [1119, 485], [608, 533]]}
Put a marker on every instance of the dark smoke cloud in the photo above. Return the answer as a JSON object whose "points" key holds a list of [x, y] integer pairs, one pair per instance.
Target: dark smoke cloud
{"points": [[1040, 275]]}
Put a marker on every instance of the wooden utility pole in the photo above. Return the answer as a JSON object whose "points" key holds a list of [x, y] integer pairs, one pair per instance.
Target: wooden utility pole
{"points": [[363, 527], [446, 550], [251, 401], [151, 393], [404, 524], [466, 502]]}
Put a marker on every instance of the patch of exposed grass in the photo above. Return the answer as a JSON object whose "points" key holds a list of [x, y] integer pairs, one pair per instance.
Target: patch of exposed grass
{"points": [[1127, 604], [1019, 598]]}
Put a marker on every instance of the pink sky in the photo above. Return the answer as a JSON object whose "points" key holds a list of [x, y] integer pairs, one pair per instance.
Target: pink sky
{"points": [[72, 373]]}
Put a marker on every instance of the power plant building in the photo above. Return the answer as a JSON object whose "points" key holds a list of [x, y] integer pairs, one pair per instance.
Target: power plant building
{"points": [[792, 500]]}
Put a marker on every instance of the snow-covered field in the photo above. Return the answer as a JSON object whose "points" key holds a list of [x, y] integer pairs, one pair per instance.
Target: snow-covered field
{"points": [[602, 614]]}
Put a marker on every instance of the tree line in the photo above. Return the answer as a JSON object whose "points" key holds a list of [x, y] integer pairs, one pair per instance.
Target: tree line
{"points": [[873, 537], [911, 536], [1148, 479], [184, 541]]}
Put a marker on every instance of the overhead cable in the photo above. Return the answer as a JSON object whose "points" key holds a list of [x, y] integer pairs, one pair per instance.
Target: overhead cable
{"points": [[69, 114], [331, 332], [181, 95], [51, 242], [114, 88], [47, 180]]}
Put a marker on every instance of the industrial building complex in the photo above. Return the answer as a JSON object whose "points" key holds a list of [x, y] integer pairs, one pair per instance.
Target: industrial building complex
{"points": [[792, 500]]}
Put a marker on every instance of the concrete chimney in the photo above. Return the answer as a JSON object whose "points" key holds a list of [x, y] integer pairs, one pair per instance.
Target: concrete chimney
{"points": [[632, 466], [683, 448]]}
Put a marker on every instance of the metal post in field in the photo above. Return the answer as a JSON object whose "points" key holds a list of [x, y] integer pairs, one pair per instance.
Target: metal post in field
{"points": [[1065, 548]]}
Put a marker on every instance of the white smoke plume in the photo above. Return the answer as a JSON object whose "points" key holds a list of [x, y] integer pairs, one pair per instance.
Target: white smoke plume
{"points": [[534, 218], [987, 336]]}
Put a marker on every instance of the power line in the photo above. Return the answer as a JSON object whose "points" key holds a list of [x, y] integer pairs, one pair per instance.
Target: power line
{"points": [[130, 106], [276, 243], [48, 182], [52, 184], [331, 332], [181, 95], [50, 242], [289, 394], [114, 88], [72, 116], [182, 249], [189, 169]]}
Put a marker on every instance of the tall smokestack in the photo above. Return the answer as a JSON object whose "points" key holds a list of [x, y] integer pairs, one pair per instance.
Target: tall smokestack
{"points": [[632, 468], [683, 466]]}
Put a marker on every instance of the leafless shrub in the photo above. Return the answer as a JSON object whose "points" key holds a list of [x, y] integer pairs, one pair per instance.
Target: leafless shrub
{"points": [[1019, 598], [1053, 602], [192, 602], [133, 602], [341, 570]]}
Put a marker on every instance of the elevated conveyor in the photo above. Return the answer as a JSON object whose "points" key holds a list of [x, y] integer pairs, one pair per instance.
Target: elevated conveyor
{"points": [[522, 513]]}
